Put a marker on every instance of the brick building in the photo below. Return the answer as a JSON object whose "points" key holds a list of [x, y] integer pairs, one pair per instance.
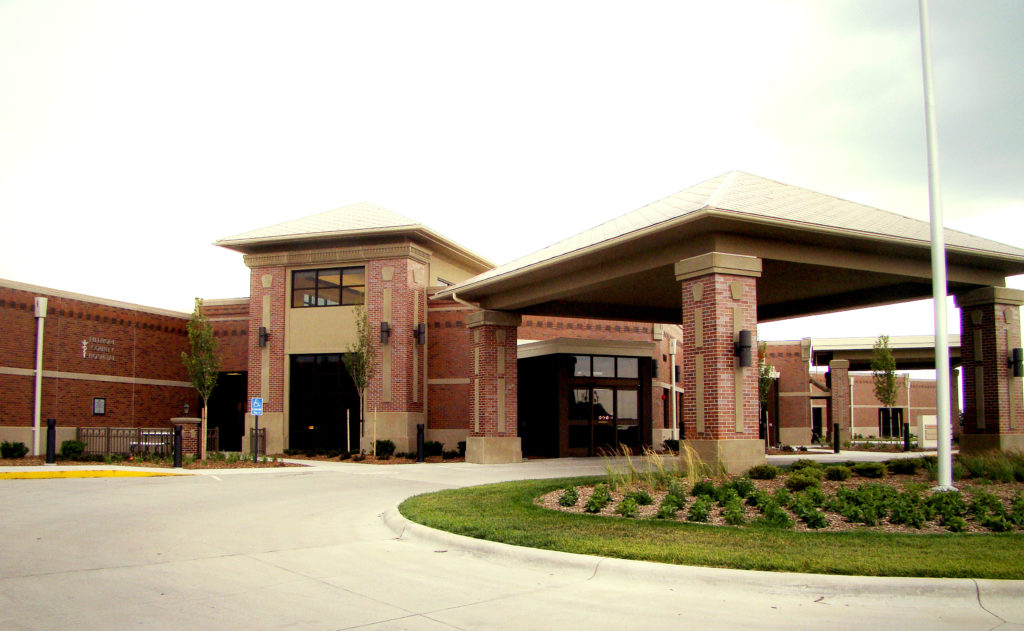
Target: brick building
{"points": [[557, 353]]}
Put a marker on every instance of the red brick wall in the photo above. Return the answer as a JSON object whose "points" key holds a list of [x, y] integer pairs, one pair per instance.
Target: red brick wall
{"points": [[121, 343], [794, 372], [449, 358], [546, 328], [231, 330], [1000, 331], [719, 360], [273, 400]]}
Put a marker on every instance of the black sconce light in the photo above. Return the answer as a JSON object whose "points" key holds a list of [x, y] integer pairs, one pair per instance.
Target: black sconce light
{"points": [[420, 333], [743, 348], [263, 336], [385, 332], [1017, 362], [185, 413]]}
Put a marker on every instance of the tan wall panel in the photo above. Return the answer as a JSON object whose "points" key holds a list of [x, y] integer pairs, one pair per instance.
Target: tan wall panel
{"points": [[321, 330]]}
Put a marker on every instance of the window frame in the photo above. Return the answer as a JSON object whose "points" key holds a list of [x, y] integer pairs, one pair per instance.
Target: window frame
{"points": [[342, 273]]}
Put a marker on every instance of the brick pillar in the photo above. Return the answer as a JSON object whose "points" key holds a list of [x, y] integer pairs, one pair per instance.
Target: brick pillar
{"points": [[989, 329], [189, 434], [839, 407], [493, 429], [720, 410]]}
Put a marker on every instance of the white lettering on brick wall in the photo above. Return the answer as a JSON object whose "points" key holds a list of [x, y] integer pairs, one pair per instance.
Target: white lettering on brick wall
{"points": [[101, 348]]}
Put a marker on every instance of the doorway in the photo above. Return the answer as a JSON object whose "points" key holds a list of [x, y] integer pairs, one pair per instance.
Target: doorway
{"points": [[890, 422], [226, 413], [602, 418], [323, 402], [817, 422]]}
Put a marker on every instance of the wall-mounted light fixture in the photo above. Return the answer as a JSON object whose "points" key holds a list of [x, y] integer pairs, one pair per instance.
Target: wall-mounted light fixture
{"points": [[744, 348], [420, 333], [185, 412], [1017, 362], [263, 336], [385, 332]]}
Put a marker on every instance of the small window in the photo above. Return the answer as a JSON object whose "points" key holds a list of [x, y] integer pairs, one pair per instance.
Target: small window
{"points": [[582, 366], [99, 406], [604, 366], [627, 367], [328, 287]]}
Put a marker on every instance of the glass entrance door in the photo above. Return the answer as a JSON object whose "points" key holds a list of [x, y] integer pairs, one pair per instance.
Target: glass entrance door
{"points": [[600, 419]]}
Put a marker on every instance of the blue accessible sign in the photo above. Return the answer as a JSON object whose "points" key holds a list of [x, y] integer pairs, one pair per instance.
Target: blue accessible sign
{"points": [[257, 406]]}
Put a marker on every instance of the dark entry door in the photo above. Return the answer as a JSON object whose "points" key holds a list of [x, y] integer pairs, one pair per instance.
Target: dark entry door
{"points": [[601, 419], [323, 402], [227, 410]]}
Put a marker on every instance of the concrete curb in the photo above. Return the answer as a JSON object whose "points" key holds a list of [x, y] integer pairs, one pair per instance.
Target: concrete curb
{"points": [[965, 589]]}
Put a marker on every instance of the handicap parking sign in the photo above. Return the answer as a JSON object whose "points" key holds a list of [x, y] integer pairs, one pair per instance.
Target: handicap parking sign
{"points": [[257, 406]]}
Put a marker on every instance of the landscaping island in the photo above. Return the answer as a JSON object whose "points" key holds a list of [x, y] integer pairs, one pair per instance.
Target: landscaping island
{"points": [[879, 519]]}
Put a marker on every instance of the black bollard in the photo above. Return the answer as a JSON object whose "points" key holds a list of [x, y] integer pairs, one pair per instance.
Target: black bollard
{"points": [[419, 443], [51, 441], [177, 446], [906, 437], [835, 438]]}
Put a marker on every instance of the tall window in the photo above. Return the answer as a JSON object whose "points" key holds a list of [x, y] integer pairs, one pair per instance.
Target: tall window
{"points": [[328, 287]]}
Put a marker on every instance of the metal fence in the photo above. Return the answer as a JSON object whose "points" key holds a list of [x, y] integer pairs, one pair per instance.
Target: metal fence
{"points": [[126, 441], [262, 451], [213, 439]]}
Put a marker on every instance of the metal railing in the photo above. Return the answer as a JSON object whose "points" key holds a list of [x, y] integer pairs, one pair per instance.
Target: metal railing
{"points": [[262, 450], [126, 441], [213, 439]]}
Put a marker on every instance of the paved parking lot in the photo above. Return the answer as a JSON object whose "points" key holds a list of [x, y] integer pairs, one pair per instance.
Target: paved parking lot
{"points": [[308, 549]]}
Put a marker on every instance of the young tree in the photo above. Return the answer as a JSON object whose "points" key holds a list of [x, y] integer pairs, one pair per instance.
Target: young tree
{"points": [[883, 368], [360, 361], [202, 364], [764, 385]]}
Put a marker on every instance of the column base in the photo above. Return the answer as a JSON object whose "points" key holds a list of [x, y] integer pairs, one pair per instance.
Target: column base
{"points": [[974, 443], [494, 449], [731, 456]]}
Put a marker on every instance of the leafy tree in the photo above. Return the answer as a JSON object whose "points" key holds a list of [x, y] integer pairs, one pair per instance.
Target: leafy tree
{"points": [[202, 364], [764, 384], [883, 368], [360, 361]]}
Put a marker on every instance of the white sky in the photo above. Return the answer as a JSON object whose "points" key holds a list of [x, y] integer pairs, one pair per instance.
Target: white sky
{"points": [[134, 134]]}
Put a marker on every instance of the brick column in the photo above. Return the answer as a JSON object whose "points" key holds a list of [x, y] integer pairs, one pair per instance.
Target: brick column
{"points": [[840, 406], [493, 429], [989, 329], [720, 410]]}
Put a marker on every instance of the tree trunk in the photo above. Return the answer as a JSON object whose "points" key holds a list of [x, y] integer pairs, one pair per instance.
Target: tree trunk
{"points": [[202, 434]]}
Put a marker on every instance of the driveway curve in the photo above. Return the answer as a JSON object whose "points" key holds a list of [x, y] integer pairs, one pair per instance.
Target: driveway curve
{"points": [[309, 548]]}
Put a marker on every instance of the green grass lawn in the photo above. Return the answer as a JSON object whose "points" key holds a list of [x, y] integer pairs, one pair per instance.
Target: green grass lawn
{"points": [[505, 512]]}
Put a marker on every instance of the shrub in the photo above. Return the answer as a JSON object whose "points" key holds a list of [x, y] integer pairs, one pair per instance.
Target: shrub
{"points": [[385, 449], [949, 507], [13, 450], [700, 510], [908, 508], [801, 481], [955, 524], [569, 497], [902, 466], [725, 494], [704, 488], [667, 510], [803, 463], [869, 469], [774, 516], [742, 485], [345, 455], [781, 497], [733, 512], [984, 504], [433, 448], [598, 499], [641, 497], [1017, 510], [627, 507], [72, 449], [758, 498], [763, 472], [838, 473], [462, 448], [671, 444], [804, 507], [450, 454]]}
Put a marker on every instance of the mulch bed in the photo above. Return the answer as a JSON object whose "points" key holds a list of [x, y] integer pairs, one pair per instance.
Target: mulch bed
{"points": [[836, 523], [33, 461], [369, 459]]}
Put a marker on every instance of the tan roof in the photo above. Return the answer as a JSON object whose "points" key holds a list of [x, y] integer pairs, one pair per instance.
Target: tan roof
{"points": [[744, 196], [361, 217], [352, 221]]}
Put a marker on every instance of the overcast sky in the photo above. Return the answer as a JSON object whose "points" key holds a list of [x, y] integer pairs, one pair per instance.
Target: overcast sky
{"points": [[134, 134]]}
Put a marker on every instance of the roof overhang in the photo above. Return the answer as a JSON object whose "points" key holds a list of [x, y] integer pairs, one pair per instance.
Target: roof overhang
{"points": [[911, 352], [573, 346], [807, 269]]}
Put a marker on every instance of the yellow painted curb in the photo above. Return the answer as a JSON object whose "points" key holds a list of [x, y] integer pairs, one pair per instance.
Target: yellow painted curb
{"points": [[87, 473]]}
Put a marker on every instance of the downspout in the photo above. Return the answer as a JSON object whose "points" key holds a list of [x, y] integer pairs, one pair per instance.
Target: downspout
{"points": [[672, 380], [456, 298], [40, 322]]}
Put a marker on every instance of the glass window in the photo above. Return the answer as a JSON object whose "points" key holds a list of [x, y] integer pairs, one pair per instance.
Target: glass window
{"points": [[328, 287], [582, 366], [627, 367], [603, 405], [579, 406], [604, 366], [626, 409]]}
